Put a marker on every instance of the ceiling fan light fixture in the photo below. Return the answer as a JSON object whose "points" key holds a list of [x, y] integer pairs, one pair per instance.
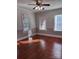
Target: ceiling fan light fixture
{"points": [[38, 8]]}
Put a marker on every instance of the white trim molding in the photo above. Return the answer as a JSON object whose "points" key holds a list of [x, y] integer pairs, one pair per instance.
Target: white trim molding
{"points": [[50, 35], [24, 37]]}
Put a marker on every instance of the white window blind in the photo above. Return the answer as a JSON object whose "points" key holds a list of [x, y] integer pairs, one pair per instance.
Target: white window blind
{"points": [[58, 23]]}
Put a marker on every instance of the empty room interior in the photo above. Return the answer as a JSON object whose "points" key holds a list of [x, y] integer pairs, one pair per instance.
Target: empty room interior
{"points": [[39, 29]]}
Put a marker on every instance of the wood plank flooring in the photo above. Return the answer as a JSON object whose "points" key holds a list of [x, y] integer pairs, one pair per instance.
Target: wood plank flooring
{"points": [[44, 48]]}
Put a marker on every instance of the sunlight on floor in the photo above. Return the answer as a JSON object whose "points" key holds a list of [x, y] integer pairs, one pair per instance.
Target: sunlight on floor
{"points": [[42, 43], [57, 49]]}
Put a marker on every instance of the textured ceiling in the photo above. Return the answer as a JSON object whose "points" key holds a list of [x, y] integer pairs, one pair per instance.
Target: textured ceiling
{"points": [[54, 4]]}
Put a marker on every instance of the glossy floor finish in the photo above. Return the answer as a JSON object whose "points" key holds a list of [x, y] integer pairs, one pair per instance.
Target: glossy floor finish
{"points": [[41, 47]]}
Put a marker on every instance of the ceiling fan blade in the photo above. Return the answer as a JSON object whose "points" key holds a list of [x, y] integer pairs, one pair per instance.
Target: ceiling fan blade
{"points": [[45, 4], [31, 4]]}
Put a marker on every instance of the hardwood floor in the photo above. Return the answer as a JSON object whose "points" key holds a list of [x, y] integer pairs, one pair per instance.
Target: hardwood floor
{"points": [[45, 48]]}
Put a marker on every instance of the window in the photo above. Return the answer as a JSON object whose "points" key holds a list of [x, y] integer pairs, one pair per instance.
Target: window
{"points": [[42, 25], [58, 23], [26, 24]]}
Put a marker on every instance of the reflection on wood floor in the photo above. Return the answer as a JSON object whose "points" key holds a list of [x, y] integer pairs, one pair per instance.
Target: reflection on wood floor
{"points": [[41, 47]]}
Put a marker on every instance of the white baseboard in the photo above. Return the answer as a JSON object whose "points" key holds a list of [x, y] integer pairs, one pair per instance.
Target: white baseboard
{"points": [[58, 36], [50, 35], [24, 37]]}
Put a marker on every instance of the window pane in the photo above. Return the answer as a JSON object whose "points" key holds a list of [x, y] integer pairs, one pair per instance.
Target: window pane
{"points": [[26, 23], [42, 25], [58, 23]]}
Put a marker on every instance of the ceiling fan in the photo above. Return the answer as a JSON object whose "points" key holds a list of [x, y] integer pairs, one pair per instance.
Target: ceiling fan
{"points": [[39, 4]]}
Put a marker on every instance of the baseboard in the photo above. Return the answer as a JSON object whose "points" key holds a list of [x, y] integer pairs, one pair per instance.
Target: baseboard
{"points": [[58, 36], [50, 35], [24, 37]]}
